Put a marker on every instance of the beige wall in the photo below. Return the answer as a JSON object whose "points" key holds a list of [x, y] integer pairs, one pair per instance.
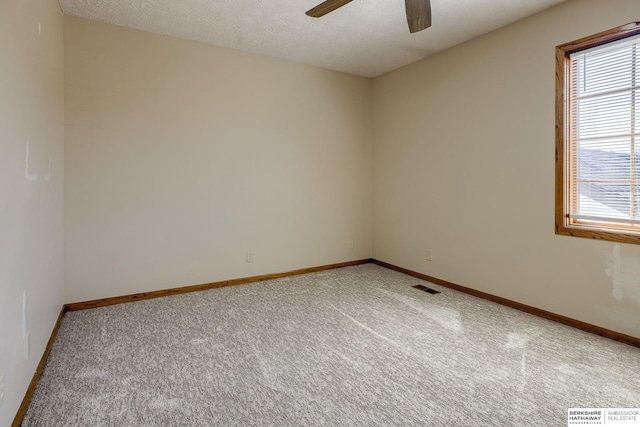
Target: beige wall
{"points": [[464, 166], [31, 187], [181, 157]]}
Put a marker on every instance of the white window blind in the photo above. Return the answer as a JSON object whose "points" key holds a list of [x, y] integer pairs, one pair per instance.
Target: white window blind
{"points": [[604, 135]]}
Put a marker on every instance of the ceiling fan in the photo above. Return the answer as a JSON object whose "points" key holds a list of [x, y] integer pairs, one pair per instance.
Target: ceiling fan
{"points": [[418, 12]]}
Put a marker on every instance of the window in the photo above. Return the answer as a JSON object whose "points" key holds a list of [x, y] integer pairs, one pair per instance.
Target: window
{"points": [[598, 136]]}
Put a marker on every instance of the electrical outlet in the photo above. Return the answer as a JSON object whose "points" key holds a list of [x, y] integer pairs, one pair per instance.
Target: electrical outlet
{"points": [[350, 244], [249, 256], [429, 255], [1, 388], [27, 345]]}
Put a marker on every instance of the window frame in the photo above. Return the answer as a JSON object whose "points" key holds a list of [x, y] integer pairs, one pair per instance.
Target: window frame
{"points": [[563, 225]]}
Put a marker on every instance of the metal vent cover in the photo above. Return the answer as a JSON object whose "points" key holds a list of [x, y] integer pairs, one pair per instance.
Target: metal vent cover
{"points": [[426, 289]]}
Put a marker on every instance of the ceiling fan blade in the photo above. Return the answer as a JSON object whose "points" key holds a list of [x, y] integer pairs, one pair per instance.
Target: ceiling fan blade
{"points": [[326, 7], [418, 14]]}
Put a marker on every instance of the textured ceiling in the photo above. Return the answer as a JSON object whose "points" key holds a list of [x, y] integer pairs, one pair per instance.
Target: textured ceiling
{"points": [[364, 37]]}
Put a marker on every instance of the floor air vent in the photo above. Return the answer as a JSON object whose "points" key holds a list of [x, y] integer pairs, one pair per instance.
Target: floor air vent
{"points": [[424, 288]]}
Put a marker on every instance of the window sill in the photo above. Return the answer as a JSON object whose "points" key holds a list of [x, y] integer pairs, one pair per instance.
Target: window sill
{"points": [[599, 233]]}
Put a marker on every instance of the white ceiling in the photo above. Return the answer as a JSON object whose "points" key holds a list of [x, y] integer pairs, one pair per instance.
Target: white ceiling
{"points": [[364, 37]]}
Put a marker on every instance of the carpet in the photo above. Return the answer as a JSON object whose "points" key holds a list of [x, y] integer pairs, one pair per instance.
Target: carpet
{"points": [[356, 346]]}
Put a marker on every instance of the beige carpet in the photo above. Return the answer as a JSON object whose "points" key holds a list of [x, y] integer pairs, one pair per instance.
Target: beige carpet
{"points": [[356, 346]]}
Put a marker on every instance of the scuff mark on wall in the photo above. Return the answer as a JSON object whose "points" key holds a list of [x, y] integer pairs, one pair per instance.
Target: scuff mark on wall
{"points": [[47, 176], [624, 273], [614, 266], [24, 313], [33, 177]]}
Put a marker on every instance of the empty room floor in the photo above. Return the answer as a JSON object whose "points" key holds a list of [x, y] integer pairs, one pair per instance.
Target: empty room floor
{"points": [[351, 346]]}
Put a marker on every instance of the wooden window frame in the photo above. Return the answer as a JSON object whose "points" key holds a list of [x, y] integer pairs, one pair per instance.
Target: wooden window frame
{"points": [[563, 224]]}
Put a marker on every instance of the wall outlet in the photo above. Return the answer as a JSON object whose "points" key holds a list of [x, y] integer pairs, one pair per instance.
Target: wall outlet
{"points": [[27, 345], [350, 244], [249, 256], [1, 388], [429, 255]]}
